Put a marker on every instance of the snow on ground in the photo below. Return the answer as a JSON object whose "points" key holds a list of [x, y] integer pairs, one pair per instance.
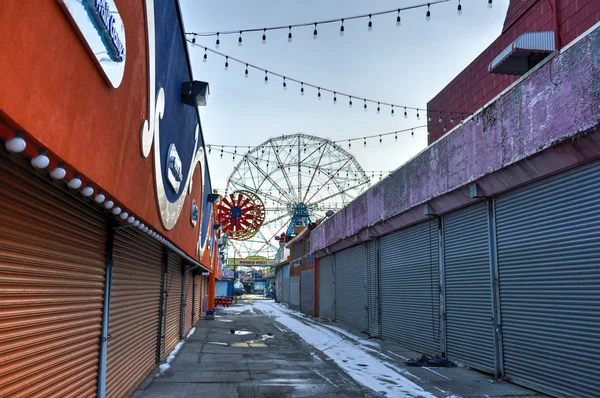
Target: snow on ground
{"points": [[191, 333], [239, 309], [167, 365], [354, 359]]}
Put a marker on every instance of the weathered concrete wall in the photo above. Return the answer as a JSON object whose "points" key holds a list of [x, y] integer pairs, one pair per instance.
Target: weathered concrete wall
{"points": [[557, 102]]}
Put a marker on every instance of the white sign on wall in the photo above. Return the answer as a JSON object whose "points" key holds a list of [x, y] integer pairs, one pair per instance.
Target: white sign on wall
{"points": [[101, 29]]}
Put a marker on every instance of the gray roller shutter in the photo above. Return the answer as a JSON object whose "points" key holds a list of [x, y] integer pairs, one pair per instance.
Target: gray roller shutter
{"points": [[409, 263], [285, 288], [327, 287], [548, 237], [469, 326], [373, 289], [350, 287], [295, 292], [307, 291]]}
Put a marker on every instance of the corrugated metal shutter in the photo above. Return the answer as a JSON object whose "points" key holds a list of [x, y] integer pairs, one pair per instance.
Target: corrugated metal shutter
{"points": [[188, 292], [295, 292], [205, 294], [307, 291], [286, 284], [350, 287], [409, 262], [548, 237], [278, 295], [197, 297], [172, 302], [469, 315], [52, 273], [134, 311], [373, 288], [327, 287]]}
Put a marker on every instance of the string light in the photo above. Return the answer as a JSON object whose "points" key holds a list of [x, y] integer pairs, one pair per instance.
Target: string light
{"points": [[218, 41], [349, 144], [264, 37], [428, 15], [365, 142], [301, 88], [398, 20], [405, 114], [205, 56], [290, 35], [378, 108], [369, 16], [350, 101], [451, 118], [284, 84], [319, 88], [266, 78], [365, 105], [395, 136], [319, 93], [342, 28], [412, 133], [440, 120], [380, 140], [315, 32], [240, 39], [418, 117], [489, 3], [459, 9], [226, 63]]}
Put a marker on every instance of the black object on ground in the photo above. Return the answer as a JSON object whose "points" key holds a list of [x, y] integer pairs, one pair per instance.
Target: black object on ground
{"points": [[428, 361]]}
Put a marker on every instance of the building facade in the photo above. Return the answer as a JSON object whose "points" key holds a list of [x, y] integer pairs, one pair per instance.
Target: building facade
{"points": [[483, 248], [475, 86], [107, 248]]}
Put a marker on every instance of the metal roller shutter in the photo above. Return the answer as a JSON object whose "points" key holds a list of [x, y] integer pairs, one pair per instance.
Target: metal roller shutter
{"points": [[307, 291], [205, 294], [134, 311], [295, 292], [409, 263], [548, 239], [197, 297], [172, 303], [52, 274], [350, 287], [278, 291], [469, 326], [188, 302], [373, 289], [327, 287], [285, 288]]}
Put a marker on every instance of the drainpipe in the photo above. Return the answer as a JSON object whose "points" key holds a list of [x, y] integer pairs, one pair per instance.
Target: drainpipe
{"points": [[104, 336], [161, 311]]}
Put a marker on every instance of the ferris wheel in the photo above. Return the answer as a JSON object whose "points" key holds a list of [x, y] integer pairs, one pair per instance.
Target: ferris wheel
{"points": [[299, 178]]}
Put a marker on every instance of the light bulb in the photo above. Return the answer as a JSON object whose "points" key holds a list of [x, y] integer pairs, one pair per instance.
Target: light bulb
{"points": [[58, 173], [315, 32], [240, 40], [75, 183], [109, 204], [459, 9], [205, 57], [16, 144], [99, 198], [41, 161], [342, 30], [489, 3], [290, 35], [264, 36], [246, 71], [370, 26], [350, 102], [87, 191], [124, 215], [116, 211], [398, 20]]}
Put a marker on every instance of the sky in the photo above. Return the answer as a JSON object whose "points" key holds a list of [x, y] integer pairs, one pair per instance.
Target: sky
{"points": [[405, 65]]}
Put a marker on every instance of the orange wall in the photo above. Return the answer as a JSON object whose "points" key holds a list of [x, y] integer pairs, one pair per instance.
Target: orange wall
{"points": [[51, 89]]}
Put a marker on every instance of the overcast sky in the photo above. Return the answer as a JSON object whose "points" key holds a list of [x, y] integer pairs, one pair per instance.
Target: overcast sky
{"points": [[405, 65]]}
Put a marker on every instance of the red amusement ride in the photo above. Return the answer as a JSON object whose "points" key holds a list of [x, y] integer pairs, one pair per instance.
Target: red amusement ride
{"points": [[241, 214]]}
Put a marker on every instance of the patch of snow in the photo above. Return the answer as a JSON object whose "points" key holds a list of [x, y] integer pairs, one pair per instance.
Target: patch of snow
{"points": [[191, 333], [167, 365], [353, 358], [239, 309]]}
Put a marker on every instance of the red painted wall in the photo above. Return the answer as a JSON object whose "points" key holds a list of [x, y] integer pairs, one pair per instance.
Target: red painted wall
{"points": [[474, 86], [52, 90]]}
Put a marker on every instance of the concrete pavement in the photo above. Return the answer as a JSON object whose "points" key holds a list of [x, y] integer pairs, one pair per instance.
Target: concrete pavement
{"points": [[265, 359]]}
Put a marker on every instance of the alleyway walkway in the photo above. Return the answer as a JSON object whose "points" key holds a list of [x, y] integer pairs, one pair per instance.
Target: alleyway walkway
{"points": [[277, 352]]}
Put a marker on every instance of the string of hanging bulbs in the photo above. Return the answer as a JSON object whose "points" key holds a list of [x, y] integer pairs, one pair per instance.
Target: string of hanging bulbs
{"points": [[221, 147], [325, 22], [351, 98]]}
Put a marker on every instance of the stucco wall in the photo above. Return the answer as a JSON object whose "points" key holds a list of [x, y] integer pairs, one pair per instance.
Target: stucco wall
{"points": [[554, 103]]}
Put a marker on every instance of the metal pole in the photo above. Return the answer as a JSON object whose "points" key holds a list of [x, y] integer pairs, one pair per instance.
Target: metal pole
{"points": [[495, 288], [104, 336], [162, 309]]}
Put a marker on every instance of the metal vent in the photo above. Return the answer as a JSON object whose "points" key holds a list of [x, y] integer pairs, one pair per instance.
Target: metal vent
{"points": [[524, 53]]}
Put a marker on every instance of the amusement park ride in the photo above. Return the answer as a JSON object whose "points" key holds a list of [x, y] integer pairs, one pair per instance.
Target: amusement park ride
{"points": [[285, 182]]}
